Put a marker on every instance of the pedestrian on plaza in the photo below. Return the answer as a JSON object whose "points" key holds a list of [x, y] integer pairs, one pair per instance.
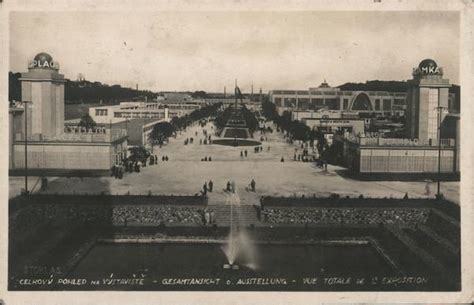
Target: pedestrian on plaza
{"points": [[241, 154], [427, 188], [163, 158], [282, 159], [245, 153], [252, 185], [233, 186], [261, 148], [204, 189], [120, 172], [166, 158], [205, 158], [210, 159], [156, 159], [294, 157], [211, 185], [228, 186]]}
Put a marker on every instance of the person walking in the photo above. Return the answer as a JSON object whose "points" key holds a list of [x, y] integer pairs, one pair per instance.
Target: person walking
{"points": [[211, 185], [228, 186], [204, 189], [252, 185], [427, 188], [245, 153]]}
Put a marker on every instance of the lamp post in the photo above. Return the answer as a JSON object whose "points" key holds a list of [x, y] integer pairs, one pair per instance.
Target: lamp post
{"points": [[439, 109], [25, 106]]}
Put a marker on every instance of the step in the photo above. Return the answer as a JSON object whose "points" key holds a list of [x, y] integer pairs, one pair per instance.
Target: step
{"points": [[243, 215]]}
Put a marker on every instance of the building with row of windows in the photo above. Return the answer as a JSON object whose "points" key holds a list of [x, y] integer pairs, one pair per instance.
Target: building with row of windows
{"points": [[432, 141], [333, 98], [159, 110]]}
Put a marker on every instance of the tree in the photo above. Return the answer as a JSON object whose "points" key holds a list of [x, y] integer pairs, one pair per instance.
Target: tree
{"points": [[199, 94], [160, 133], [269, 110], [138, 153], [87, 122]]}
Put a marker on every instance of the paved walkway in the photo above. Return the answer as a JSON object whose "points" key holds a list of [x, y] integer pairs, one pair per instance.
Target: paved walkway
{"points": [[185, 174]]}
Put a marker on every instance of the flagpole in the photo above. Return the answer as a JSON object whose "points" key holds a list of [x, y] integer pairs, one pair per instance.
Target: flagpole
{"points": [[235, 93]]}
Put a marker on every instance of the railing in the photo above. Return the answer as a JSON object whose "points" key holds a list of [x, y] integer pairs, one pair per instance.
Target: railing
{"points": [[403, 142], [79, 135]]}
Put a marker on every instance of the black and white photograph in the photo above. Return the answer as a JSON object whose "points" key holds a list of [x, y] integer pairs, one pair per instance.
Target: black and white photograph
{"points": [[234, 150]]}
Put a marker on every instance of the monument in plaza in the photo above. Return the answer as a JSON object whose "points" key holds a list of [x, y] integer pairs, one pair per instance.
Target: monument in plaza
{"points": [[236, 131]]}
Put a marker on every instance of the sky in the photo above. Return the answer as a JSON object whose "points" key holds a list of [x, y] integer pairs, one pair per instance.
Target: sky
{"points": [[188, 51]]}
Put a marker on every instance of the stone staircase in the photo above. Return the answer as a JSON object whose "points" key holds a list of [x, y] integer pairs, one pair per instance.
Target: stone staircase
{"points": [[243, 215]]}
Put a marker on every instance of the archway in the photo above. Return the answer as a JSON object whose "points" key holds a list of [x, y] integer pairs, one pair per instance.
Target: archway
{"points": [[362, 102]]}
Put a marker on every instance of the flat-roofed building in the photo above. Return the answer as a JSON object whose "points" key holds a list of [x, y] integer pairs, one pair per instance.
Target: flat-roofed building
{"points": [[140, 110], [333, 99], [39, 138]]}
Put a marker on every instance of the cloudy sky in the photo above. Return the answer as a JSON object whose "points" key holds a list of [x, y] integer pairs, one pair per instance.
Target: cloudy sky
{"points": [[207, 51]]}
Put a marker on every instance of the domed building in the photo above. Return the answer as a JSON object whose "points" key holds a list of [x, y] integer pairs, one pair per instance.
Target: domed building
{"points": [[37, 125]]}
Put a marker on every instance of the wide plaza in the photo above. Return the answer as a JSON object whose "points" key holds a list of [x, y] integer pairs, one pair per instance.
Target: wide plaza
{"points": [[185, 174]]}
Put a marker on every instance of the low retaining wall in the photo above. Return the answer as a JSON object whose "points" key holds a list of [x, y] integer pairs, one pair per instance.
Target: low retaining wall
{"points": [[346, 216]]}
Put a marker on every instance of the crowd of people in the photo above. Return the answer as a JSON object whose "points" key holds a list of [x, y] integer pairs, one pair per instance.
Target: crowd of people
{"points": [[342, 216], [128, 166]]}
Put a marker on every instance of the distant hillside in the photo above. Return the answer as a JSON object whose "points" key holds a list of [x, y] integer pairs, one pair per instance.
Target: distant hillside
{"points": [[376, 85], [381, 85], [83, 91]]}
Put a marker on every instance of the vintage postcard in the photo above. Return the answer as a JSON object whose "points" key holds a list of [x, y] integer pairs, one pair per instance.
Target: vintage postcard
{"points": [[305, 149]]}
